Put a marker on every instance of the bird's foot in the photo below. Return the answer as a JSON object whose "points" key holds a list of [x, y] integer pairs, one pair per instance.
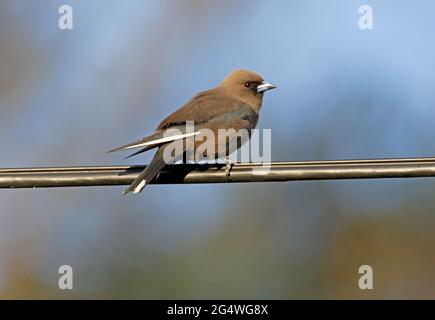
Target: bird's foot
{"points": [[228, 166]]}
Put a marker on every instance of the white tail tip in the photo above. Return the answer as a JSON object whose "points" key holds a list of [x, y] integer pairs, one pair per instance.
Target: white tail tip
{"points": [[139, 187]]}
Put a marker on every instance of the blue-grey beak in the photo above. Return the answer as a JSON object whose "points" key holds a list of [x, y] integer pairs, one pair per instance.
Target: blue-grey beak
{"points": [[265, 86]]}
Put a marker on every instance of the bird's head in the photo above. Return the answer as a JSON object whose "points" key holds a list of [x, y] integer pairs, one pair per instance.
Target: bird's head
{"points": [[247, 86]]}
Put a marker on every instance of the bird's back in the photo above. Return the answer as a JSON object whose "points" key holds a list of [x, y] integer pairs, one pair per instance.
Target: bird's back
{"points": [[211, 107]]}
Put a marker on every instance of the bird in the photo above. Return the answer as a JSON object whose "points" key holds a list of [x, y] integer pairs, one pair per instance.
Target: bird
{"points": [[234, 103]]}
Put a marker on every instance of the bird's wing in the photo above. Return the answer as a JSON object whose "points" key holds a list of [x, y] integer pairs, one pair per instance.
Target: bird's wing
{"points": [[154, 140], [206, 107]]}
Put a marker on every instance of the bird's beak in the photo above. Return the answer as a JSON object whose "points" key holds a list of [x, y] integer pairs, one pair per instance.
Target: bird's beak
{"points": [[265, 86]]}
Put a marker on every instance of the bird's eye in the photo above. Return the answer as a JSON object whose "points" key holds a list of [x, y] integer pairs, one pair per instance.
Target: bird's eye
{"points": [[247, 84]]}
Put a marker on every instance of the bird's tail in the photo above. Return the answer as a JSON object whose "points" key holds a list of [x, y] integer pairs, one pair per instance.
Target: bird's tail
{"points": [[150, 172]]}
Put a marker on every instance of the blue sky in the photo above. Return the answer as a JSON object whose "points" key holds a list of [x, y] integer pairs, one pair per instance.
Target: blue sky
{"points": [[342, 93]]}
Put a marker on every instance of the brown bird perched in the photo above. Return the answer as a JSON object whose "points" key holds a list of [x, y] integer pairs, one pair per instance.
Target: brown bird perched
{"points": [[234, 104]]}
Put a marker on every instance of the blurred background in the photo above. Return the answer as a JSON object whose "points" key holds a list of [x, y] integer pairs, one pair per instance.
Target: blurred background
{"points": [[68, 96]]}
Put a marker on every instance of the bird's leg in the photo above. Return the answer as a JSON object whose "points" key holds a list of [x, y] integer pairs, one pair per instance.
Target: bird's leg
{"points": [[228, 166]]}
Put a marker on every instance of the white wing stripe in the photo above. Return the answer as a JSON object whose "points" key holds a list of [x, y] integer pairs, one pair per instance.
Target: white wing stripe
{"points": [[162, 140]]}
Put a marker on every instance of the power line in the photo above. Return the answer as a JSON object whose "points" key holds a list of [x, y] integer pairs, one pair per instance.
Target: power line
{"points": [[215, 173]]}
